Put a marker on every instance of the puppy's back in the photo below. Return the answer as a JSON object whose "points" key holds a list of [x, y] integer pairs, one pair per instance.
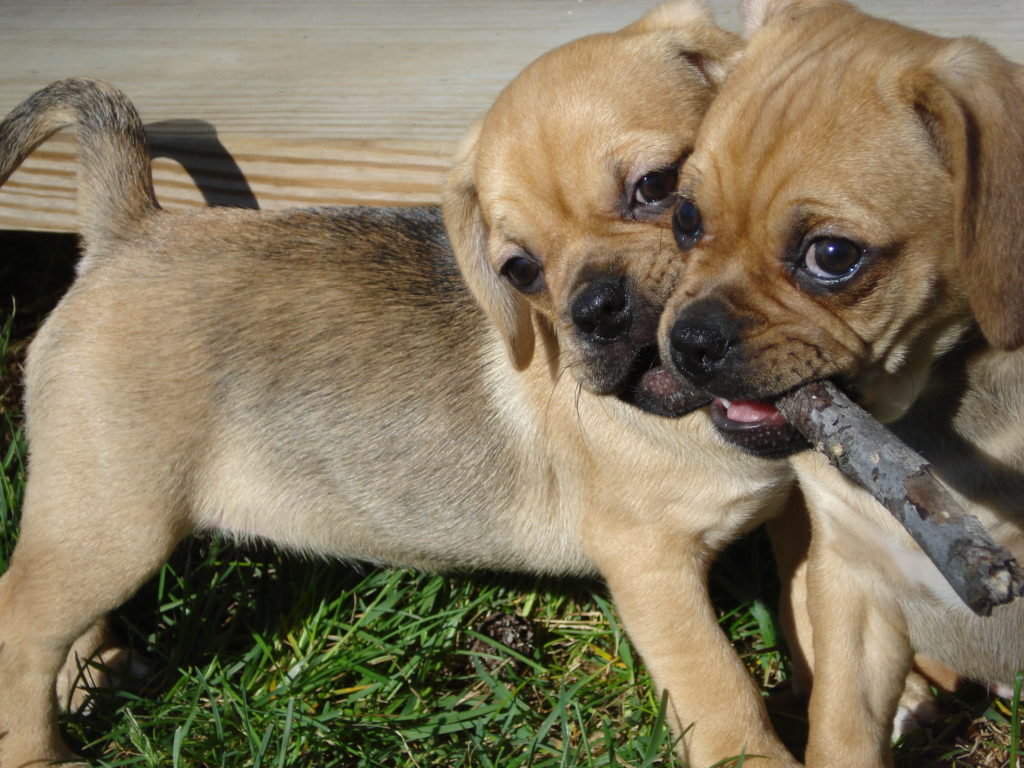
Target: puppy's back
{"points": [[324, 365]]}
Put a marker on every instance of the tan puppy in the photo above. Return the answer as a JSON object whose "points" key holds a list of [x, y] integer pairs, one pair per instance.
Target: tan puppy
{"points": [[323, 379], [852, 210]]}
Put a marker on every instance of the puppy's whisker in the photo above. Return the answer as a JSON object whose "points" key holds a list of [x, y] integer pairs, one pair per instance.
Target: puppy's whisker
{"points": [[555, 384], [579, 416]]}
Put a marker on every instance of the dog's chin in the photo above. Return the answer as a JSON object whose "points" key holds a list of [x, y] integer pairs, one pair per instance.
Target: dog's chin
{"points": [[756, 427], [651, 387]]}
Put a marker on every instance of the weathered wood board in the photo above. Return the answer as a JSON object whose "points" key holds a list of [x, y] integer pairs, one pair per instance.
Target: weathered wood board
{"points": [[277, 104]]}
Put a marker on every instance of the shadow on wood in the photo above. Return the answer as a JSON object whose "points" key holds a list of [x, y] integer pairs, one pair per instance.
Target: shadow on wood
{"points": [[194, 144]]}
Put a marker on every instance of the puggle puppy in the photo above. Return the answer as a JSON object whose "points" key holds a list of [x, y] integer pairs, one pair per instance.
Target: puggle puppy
{"points": [[339, 382], [852, 211]]}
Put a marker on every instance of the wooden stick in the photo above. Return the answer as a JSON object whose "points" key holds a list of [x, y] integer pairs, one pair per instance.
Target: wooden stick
{"points": [[980, 571]]}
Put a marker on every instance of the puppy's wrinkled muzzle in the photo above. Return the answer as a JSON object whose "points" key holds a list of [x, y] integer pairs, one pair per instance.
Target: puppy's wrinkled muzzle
{"points": [[705, 350], [615, 327]]}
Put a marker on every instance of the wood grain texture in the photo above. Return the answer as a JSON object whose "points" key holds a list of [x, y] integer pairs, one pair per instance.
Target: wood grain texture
{"points": [[277, 104]]}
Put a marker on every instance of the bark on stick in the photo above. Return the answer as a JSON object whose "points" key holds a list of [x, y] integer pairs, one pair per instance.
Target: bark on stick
{"points": [[981, 572]]}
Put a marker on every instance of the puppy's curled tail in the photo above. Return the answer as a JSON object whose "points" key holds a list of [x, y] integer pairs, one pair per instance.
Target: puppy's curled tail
{"points": [[114, 177]]}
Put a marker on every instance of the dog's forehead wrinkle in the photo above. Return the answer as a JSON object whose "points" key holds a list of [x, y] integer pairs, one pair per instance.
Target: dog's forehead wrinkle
{"points": [[824, 215], [551, 161], [691, 176], [504, 237], [783, 194], [783, 100], [777, 79], [562, 180], [526, 223]]}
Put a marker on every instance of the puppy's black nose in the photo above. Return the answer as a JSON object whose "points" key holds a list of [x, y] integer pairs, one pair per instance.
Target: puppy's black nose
{"points": [[601, 311], [700, 340]]}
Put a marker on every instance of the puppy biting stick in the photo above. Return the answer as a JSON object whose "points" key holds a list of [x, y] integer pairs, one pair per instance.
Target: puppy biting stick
{"points": [[865, 229], [981, 572]]}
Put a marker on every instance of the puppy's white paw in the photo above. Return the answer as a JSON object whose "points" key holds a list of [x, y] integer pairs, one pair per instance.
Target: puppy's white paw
{"points": [[82, 680], [1003, 691], [917, 708], [909, 720]]}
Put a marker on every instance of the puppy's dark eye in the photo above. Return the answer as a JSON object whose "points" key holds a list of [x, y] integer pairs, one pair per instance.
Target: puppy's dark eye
{"points": [[832, 258], [686, 224], [656, 186], [524, 272]]}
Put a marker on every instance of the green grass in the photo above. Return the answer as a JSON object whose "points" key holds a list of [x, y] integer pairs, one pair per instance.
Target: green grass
{"points": [[264, 660], [12, 451], [261, 659]]}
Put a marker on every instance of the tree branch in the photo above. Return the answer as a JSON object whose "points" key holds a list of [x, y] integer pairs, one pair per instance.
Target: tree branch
{"points": [[980, 571]]}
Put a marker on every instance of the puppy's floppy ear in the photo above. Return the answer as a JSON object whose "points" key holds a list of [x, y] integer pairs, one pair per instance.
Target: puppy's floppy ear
{"points": [[703, 43], [970, 100], [509, 311], [757, 13]]}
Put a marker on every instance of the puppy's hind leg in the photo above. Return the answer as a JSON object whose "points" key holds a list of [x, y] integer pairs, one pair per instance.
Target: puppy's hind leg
{"points": [[78, 557]]}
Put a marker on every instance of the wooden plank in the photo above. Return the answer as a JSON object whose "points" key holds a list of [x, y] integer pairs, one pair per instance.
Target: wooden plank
{"points": [[319, 101]]}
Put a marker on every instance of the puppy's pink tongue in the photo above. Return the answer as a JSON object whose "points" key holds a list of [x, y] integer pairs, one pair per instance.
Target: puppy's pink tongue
{"points": [[749, 411]]}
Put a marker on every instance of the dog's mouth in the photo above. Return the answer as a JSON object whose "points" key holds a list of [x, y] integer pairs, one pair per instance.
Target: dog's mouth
{"points": [[651, 387], [757, 427]]}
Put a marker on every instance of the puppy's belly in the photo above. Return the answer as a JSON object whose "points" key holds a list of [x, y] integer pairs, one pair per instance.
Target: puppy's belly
{"points": [[383, 515], [986, 649]]}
